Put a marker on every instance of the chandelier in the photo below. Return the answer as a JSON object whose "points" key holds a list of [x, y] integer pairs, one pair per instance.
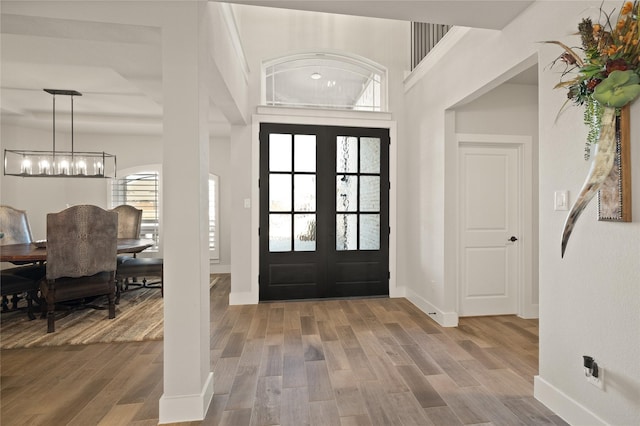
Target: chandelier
{"points": [[59, 163]]}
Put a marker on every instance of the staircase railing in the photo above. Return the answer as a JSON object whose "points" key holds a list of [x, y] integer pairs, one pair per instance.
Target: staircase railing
{"points": [[423, 38]]}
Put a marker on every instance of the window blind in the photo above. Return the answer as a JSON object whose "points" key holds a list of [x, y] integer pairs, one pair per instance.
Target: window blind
{"points": [[141, 191], [213, 217]]}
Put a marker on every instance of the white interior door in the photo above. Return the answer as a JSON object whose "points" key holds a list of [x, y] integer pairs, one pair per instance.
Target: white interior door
{"points": [[489, 218]]}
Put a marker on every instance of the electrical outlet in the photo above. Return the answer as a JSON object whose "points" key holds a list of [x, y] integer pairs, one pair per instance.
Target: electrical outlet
{"points": [[597, 381]]}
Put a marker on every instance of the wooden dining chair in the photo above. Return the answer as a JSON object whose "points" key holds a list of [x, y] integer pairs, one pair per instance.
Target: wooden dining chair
{"points": [[81, 257]]}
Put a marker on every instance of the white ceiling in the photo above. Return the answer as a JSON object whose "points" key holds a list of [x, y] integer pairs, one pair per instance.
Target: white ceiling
{"points": [[491, 14], [117, 67]]}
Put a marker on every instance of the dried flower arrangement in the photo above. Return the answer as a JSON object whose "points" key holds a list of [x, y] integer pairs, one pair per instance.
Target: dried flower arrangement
{"points": [[609, 73], [605, 80]]}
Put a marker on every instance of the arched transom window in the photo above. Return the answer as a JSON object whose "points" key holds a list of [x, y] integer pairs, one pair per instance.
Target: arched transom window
{"points": [[325, 80]]}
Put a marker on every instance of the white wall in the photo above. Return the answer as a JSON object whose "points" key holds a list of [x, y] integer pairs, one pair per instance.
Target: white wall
{"points": [[509, 109], [39, 196], [268, 33], [240, 160], [589, 301], [229, 70], [220, 165]]}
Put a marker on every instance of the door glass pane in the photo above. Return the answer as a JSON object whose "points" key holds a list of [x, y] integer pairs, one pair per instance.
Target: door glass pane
{"points": [[279, 232], [369, 232], [279, 193], [279, 152], [305, 153], [346, 193], [304, 193], [369, 155], [346, 232], [304, 229], [369, 193], [347, 154]]}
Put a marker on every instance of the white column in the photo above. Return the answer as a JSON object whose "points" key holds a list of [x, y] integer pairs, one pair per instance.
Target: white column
{"points": [[188, 381]]}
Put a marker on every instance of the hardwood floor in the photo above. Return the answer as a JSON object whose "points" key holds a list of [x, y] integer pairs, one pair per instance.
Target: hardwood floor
{"points": [[337, 362]]}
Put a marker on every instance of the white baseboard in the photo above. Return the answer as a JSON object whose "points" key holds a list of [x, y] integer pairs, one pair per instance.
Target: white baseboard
{"points": [[531, 312], [564, 406], [187, 408], [445, 319], [219, 269], [243, 298], [397, 291]]}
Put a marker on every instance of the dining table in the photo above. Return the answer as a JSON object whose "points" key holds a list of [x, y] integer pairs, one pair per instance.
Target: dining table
{"points": [[37, 252]]}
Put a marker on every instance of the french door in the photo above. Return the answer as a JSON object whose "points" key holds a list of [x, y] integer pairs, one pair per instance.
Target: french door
{"points": [[324, 211]]}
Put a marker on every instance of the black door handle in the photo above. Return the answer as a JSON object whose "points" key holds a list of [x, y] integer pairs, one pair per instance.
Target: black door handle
{"points": [[513, 239]]}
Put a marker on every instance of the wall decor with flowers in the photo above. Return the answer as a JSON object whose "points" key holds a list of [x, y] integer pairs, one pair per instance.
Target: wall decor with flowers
{"points": [[614, 196], [604, 80]]}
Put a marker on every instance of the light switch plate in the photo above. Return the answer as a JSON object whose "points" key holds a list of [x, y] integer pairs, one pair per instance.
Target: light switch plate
{"points": [[561, 200]]}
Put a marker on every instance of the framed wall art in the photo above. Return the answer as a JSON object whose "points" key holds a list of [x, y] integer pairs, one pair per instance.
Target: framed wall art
{"points": [[614, 197]]}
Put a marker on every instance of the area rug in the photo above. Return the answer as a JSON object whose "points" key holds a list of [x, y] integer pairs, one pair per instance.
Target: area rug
{"points": [[139, 317]]}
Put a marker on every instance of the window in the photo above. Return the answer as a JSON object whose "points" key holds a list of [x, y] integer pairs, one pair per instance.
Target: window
{"points": [[325, 80], [140, 190], [214, 251]]}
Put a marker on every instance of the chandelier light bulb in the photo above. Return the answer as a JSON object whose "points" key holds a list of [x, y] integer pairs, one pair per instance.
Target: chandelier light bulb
{"points": [[63, 167], [26, 166], [81, 166], [44, 166]]}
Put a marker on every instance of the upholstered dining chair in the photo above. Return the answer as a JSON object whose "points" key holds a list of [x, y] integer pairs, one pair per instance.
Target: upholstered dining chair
{"points": [[129, 221], [14, 226], [15, 229], [129, 226], [139, 267], [81, 257], [22, 280]]}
